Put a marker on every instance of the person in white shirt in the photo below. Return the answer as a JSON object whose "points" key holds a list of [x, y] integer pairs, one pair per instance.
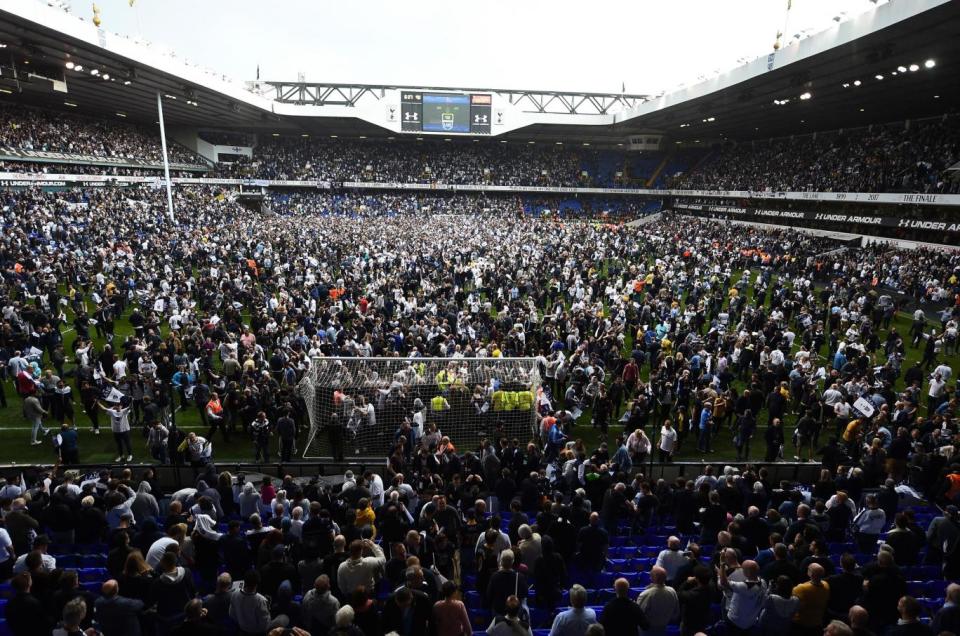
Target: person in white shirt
{"points": [[39, 545], [869, 524], [935, 393], [671, 559], [668, 441], [746, 597], [361, 570], [120, 425], [7, 555], [175, 535], [375, 486], [119, 369]]}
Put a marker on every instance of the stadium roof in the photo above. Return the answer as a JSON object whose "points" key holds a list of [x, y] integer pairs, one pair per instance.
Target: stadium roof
{"points": [[738, 104]]}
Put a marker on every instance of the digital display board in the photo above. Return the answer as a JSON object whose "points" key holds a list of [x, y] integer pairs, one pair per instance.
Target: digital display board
{"points": [[445, 113]]}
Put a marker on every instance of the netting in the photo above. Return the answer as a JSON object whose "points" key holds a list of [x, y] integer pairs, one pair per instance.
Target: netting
{"points": [[363, 402]]}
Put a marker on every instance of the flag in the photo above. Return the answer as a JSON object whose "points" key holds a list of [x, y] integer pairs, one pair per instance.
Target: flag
{"points": [[258, 72], [623, 87]]}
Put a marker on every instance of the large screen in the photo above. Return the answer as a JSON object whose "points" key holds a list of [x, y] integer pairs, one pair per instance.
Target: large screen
{"points": [[445, 113]]}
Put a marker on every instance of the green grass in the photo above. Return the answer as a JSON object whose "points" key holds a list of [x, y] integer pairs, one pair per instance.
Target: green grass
{"points": [[100, 449]]}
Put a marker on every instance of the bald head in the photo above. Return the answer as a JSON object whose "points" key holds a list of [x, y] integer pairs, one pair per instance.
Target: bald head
{"points": [[858, 616], [658, 575], [751, 570], [815, 572], [109, 588], [673, 543], [953, 593], [622, 587]]}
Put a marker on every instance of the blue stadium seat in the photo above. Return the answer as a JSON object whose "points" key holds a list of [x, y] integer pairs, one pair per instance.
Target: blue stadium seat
{"points": [[602, 596], [472, 599], [936, 588], [93, 575], [93, 587], [540, 617], [480, 618]]}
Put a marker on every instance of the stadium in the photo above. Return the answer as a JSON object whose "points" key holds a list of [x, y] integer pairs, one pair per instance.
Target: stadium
{"points": [[307, 358]]}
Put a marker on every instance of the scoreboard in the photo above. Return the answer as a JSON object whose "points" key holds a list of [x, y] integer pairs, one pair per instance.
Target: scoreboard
{"points": [[445, 113]]}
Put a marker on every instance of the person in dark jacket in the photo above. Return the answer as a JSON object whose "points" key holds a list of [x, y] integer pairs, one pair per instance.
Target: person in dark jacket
{"points": [[621, 615], [774, 439], [503, 583], [171, 590], [884, 588], [695, 597], [117, 615], [549, 574], [845, 587], [947, 619], [909, 623], [276, 572], [24, 612], [407, 612]]}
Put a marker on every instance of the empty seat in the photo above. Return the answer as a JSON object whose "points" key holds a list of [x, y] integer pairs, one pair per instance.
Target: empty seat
{"points": [[540, 617], [91, 575], [472, 599]]}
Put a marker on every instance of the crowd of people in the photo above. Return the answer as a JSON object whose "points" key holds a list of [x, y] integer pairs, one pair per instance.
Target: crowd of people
{"points": [[470, 549], [680, 334], [898, 157], [220, 307], [901, 156], [361, 203], [422, 162], [34, 129]]}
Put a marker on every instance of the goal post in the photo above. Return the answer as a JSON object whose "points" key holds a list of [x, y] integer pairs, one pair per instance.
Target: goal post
{"points": [[369, 399]]}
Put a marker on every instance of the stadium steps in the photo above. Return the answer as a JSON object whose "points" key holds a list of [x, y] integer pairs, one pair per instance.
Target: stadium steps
{"points": [[663, 164]]}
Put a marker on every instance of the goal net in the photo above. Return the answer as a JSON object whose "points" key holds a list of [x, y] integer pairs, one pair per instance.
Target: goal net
{"points": [[369, 399]]}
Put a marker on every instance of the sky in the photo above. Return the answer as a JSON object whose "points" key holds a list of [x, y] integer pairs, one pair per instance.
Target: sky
{"points": [[643, 46]]}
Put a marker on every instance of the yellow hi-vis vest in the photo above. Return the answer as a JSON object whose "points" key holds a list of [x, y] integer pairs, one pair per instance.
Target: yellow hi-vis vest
{"points": [[524, 400], [437, 403], [499, 400]]}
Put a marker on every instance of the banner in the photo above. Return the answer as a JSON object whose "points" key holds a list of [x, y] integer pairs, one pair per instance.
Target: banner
{"points": [[44, 156], [825, 217]]}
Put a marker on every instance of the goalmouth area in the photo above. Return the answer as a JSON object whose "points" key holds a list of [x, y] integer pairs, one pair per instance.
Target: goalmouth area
{"points": [[361, 403]]}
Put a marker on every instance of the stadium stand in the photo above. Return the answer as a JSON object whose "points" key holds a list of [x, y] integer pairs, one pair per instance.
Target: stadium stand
{"points": [[738, 428], [894, 157], [43, 130]]}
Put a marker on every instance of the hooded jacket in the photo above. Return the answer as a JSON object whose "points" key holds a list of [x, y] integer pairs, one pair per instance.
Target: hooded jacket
{"points": [[172, 590], [250, 611], [144, 504]]}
